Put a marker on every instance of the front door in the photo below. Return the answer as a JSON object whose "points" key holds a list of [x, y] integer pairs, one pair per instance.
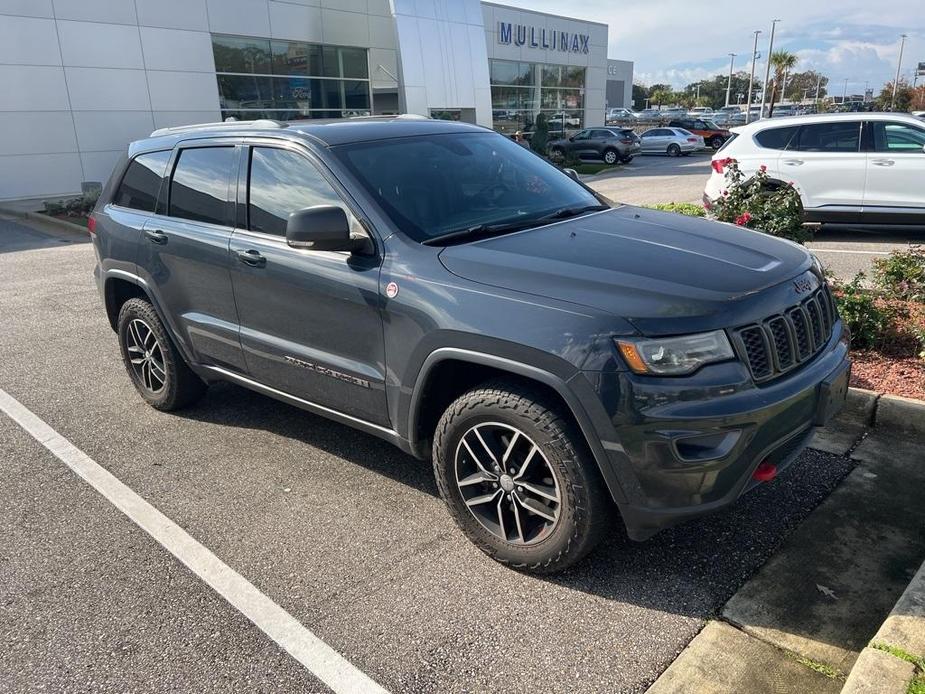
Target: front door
{"points": [[895, 169], [310, 320], [184, 253]]}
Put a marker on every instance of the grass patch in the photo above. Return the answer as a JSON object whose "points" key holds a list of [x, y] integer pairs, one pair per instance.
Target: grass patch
{"points": [[685, 208], [593, 168], [896, 652], [832, 673], [917, 685]]}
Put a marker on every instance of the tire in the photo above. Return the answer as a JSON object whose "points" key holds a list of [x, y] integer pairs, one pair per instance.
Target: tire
{"points": [[627, 160], [513, 420], [611, 157], [716, 142], [673, 150], [155, 366]]}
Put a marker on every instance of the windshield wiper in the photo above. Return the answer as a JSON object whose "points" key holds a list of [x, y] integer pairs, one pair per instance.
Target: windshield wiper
{"points": [[566, 212], [501, 227]]}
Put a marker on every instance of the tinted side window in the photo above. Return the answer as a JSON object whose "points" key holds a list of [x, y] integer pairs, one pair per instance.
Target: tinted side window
{"points": [[282, 182], [898, 138], [776, 138], [141, 181], [199, 189], [842, 136]]}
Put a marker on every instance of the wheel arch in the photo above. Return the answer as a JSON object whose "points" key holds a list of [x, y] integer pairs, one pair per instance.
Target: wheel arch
{"points": [[449, 372]]}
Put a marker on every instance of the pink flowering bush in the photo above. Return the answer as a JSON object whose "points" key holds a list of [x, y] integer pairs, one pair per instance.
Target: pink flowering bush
{"points": [[758, 204]]}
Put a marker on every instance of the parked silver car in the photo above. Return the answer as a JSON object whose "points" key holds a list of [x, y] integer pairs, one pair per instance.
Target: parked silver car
{"points": [[671, 141]]}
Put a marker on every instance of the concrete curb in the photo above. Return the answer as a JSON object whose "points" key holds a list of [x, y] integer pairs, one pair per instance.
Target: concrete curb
{"points": [[60, 224], [876, 670], [885, 411]]}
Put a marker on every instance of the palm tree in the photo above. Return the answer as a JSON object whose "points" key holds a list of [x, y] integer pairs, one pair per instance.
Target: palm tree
{"points": [[783, 62]]}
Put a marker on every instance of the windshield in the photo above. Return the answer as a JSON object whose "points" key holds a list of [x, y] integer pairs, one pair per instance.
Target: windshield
{"points": [[433, 185]]}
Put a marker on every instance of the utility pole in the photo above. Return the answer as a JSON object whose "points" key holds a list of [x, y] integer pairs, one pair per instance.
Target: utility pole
{"points": [[751, 80], [899, 65], [844, 94], [818, 84], [767, 69], [732, 57]]}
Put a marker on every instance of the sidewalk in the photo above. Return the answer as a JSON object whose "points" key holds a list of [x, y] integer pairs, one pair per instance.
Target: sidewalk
{"points": [[801, 622]]}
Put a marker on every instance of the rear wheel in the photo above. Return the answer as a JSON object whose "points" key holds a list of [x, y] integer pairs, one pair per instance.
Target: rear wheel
{"points": [[673, 150], [517, 480], [716, 142], [610, 157], [156, 367]]}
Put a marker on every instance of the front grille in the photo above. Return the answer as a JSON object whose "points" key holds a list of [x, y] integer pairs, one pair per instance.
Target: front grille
{"points": [[783, 341]]}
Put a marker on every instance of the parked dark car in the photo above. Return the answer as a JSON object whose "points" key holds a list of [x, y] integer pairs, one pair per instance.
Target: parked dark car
{"points": [[608, 144], [711, 133], [436, 285]]}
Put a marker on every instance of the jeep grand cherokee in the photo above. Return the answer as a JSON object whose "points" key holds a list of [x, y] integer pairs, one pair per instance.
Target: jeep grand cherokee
{"points": [[432, 283]]}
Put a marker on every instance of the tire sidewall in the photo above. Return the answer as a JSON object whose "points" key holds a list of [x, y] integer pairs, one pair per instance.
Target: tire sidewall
{"points": [[565, 466], [140, 309], [674, 150], [613, 157]]}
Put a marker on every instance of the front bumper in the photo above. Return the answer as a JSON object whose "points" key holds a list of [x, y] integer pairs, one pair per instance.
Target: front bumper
{"points": [[689, 446]]}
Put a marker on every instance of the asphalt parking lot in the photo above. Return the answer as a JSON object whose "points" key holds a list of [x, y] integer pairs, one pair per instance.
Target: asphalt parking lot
{"points": [[652, 179], [341, 530]]}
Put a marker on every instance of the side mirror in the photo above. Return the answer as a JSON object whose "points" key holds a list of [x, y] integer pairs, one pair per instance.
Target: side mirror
{"points": [[321, 228], [571, 173], [571, 139]]}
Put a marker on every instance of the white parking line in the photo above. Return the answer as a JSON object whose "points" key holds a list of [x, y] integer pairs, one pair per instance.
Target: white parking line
{"points": [[318, 657]]}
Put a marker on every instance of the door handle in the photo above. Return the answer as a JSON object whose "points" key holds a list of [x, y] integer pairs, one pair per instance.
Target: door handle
{"points": [[793, 162], [156, 236], [884, 162], [252, 258]]}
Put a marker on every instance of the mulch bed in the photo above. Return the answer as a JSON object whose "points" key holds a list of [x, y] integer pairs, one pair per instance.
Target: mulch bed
{"points": [[79, 220], [895, 367]]}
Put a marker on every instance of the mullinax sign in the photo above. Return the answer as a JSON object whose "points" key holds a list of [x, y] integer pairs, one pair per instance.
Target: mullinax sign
{"points": [[522, 35]]}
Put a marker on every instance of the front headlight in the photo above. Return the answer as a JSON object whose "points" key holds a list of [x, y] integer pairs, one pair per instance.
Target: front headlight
{"points": [[674, 356]]}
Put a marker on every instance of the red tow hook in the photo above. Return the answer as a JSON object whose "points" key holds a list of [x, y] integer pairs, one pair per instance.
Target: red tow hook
{"points": [[765, 472]]}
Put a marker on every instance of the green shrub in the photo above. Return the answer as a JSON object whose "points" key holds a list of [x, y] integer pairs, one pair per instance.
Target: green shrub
{"points": [[685, 208], [902, 273], [540, 136], [872, 324], [757, 203], [75, 207]]}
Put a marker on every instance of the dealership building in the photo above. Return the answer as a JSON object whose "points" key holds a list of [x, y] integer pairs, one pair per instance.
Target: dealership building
{"points": [[82, 78]]}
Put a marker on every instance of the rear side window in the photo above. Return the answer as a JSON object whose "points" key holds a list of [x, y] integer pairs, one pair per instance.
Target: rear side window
{"points": [[199, 188], [839, 136], [283, 182], [776, 138], [141, 182], [898, 138]]}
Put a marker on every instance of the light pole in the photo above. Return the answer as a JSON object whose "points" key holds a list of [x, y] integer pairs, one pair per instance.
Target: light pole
{"points": [[751, 80], [767, 69], [844, 94], [899, 64], [732, 57]]}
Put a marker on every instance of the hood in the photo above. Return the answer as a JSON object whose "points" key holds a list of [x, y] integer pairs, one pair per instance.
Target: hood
{"points": [[666, 273]]}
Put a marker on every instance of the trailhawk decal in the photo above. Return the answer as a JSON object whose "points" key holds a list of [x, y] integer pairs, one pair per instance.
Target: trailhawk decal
{"points": [[325, 371]]}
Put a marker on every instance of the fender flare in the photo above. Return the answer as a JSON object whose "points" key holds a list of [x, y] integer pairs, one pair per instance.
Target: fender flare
{"points": [[557, 383]]}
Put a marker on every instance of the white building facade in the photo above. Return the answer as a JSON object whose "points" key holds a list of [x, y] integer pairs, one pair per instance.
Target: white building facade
{"points": [[79, 79]]}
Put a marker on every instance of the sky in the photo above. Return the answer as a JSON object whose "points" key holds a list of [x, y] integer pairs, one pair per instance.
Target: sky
{"points": [[678, 41]]}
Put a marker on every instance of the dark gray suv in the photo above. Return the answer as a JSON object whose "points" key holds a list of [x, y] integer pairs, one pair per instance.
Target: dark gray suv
{"points": [[610, 145], [441, 287]]}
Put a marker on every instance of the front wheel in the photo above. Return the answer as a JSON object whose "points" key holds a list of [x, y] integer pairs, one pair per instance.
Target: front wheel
{"points": [[517, 479], [610, 157], [673, 150], [156, 367]]}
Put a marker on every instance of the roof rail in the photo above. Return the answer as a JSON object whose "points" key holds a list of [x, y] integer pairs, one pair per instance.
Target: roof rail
{"points": [[261, 123]]}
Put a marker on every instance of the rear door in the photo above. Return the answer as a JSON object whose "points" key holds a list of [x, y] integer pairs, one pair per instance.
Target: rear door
{"points": [[310, 320], [655, 140], [827, 165], [895, 169], [184, 252]]}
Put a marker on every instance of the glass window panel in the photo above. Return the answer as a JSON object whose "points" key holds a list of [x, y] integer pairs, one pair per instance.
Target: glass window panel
{"points": [[573, 76], [330, 62], [552, 75], [354, 62], [898, 138], [296, 58], [242, 91], [294, 92], [508, 72], [283, 182], [199, 189], [356, 95], [237, 54], [142, 181], [837, 136]]}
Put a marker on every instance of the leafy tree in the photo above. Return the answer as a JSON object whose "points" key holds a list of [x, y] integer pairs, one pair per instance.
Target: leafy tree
{"points": [[713, 90], [904, 96], [640, 94], [800, 84], [783, 62]]}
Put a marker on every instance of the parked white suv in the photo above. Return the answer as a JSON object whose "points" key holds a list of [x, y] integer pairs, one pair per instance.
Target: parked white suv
{"points": [[848, 167]]}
